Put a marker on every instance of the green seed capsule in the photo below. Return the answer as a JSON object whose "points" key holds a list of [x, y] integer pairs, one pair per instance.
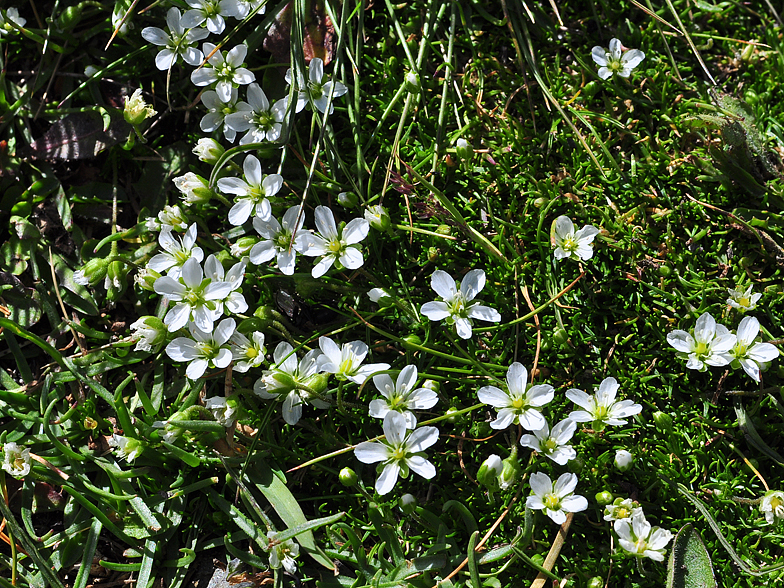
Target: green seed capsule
{"points": [[604, 498], [348, 477]]}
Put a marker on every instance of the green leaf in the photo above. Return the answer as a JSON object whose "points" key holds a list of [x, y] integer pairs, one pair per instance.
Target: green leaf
{"points": [[689, 565]]}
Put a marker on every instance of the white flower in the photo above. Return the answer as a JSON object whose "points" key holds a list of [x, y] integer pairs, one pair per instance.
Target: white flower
{"points": [[379, 295], [136, 109], [282, 553], [262, 121], [334, 245], [224, 73], [176, 253], [170, 216], [242, 8], [518, 405], [751, 356], [569, 243], [245, 353], [12, 15], [613, 62], [149, 332], [211, 11], [16, 460], [623, 460], [225, 412], [553, 444], [457, 306], [278, 239], [346, 361], [602, 408], [709, 345], [205, 349], [195, 300], [177, 43], [640, 540], [401, 396], [772, 506], [218, 110], [208, 150], [128, 449], [622, 509], [401, 451], [555, 499], [287, 377], [234, 301], [743, 300], [252, 192], [194, 189], [316, 89]]}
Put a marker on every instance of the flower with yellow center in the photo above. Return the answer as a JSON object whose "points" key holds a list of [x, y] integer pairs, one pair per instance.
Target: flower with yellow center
{"points": [[752, 356], [615, 61], [772, 506], [601, 408], [553, 444], [401, 396], [638, 538], [346, 361], [709, 345], [246, 353], [333, 244], [571, 243], [520, 403], [743, 300], [556, 499]]}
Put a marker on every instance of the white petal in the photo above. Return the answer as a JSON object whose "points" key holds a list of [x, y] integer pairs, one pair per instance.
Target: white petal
{"points": [[463, 328], [763, 352], [632, 58], [325, 222], [531, 419], [355, 231], [368, 452], [196, 369], [444, 285], [615, 48], [386, 481], [422, 399], [506, 417], [565, 484], [322, 266], [599, 55], [435, 311], [395, 428], [517, 379], [406, 380], [421, 466], [575, 503], [705, 328], [292, 408], [564, 227], [240, 212], [681, 340], [351, 258], [378, 408], [484, 313], [155, 36], [472, 284], [540, 394], [541, 484], [748, 329], [421, 439], [493, 396]]}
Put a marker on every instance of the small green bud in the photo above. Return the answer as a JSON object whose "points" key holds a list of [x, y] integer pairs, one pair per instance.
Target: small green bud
{"points": [[511, 470], [665, 271], [136, 109], [92, 272], [560, 336], [243, 246], [490, 472], [348, 199], [208, 150], [464, 149], [348, 477], [412, 82], [318, 382], [663, 421], [595, 582], [380, 296], [451, 415], [378, 217], [407, 503], [410, 340], [538, 559], [541, 201], [604, 498], [432, 254], [443, 230]]}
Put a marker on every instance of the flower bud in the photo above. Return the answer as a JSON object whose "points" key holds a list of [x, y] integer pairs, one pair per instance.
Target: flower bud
{"points": [[318, 382], [243, 246], [115, 281], [489, 472], [663, 421], [380, 296], [348, 477], [511, 470], [595, 582], [432, 385], [150, 333], [410, 340], [90, 423], [348, 199], [623, 460], [146, 279], [194, 188], [432, 254], [443, 230], [92, 272], [412, 82], [378, 217], [465, 151], [604, 498], [408, 503], [208, 150], [136, 109]]}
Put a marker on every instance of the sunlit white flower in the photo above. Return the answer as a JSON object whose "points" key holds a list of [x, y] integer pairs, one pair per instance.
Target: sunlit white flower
{"points": [[401, 451], [601, 408], [401, 396], [638, 538], [278, 239], [556, 499], [242, 8], [622, 509], [569, 243], [743, 300], [520, 403], [211, 11], [750, 355], [177, 252], [379, 295], [205, 348], [127, 448], [234, 301], [252, 192], [459, 307], [226, 73], [623, 460], [772, 506], [177, 42], [292, 379], [136, 109], [282, 553], [218, 110], [709, 345], [10, 16], [195, 297], [171, 216], [346, 361], [317, 87], [262, 121], [149, 332], [194, 189], [246, 353], [553, 444], [613, 61], [333, 244], [16, 460], [224, 410]]}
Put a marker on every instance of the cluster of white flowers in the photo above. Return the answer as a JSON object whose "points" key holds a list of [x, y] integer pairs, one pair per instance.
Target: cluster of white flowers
{"points": [[635, 534]]}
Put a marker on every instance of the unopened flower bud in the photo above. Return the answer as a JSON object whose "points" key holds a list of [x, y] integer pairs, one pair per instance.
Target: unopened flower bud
{"points": [[663, 421], [194, 188], [318, 382], [243, 246], [348, 199], [412, 82], [408, 503], [432, 253], [511, 470], [489, 472], [443, 230], [378, 217], [465, 151], [348, 477], [623, 460], [150, 333], [208, 150], [92, 272], [604, 498], [136, 109], [411, 340], [380, 296], [432, 385]]}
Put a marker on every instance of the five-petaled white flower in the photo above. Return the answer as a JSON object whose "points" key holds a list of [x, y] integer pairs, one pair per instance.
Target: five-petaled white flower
{"points": [[149, 332], [211, 11], [622, 509], [278, 239], [601, 408], [252, 192], [613, 61], [218, 110], [752, 357], [772, 506], [242, 8], [177, 42], [282, 553], [401, 451], [519, 405], [225, 73], [568, 243], [264, 122], [553, 444], [177, 252], [639, 539], [333, 244], [459, 307], [709, 345], [401, 396], [556, 499], [16, 459], [743, 300], [247, 353], [234, 301], [205, 349], [346, 361], [10, 16], [316, 88]]}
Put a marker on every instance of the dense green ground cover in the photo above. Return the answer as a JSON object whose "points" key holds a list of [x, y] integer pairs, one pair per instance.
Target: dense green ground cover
{"points": [[133, 476]]}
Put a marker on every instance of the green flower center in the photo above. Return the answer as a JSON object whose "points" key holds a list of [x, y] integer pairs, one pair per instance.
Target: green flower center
{"points": [[335, 246], [551, 501], [550, 445], [399, 453], [263, 120]]}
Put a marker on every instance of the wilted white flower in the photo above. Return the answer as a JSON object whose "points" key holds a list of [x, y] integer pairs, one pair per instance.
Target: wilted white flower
{"points": [[149, 332], [401, 451], [127, 448], [569, 243], [346, 361], [16, 460], [208, 150], [177, 252], [262, 121], [218, 110], [136, 109], [333, 244], [601, 408], [613, 61], [378, 217], [7, 17], [224, 410], [556, 499], [553, 444], [459, 307], [401, 396], [623, 460], [743, 300], [278, 239], [750, 355], [170, 216], [772, 506], [205, 349], [226, 73], [211, 11], [638, 538], [177, 42], [317, 89], [520, 403], [622, 509], [194, 189], [710, 344], [247, 353], [252, 192], [282, 553]]}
